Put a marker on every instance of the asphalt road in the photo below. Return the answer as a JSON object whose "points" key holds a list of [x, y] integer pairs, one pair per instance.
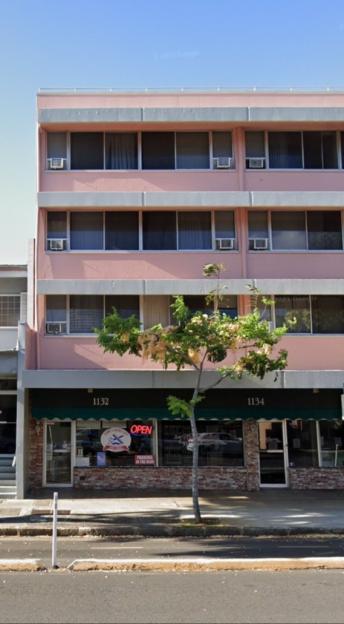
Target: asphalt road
{"points": [[94, 597], [245, 547]]}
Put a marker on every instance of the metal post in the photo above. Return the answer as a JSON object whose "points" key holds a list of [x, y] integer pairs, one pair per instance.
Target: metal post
{"points": [[54, 533]]}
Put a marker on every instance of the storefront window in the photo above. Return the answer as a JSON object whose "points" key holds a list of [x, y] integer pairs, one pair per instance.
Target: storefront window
{"points": [[122, 443], [332, 443], [302, 444], [221, 443]]}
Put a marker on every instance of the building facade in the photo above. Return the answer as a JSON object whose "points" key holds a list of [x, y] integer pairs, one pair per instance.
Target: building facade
{"points": [[136, 192]]}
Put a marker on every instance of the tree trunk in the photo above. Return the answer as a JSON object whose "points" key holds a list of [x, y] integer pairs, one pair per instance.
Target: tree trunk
{"points": [[195, 447]]}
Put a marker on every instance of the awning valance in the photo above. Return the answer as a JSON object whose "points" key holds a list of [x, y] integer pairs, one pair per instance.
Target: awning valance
{"points": [[161, 413]]}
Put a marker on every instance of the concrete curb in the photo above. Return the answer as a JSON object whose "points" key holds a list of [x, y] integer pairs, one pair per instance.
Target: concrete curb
{"points": [[203, 564], [163, 530], [21, 565]]}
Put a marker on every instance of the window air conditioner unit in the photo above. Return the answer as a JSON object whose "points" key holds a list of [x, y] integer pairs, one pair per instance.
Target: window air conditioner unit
{"points": [[56, 163], [56, 244], [223, 162], [260, 243], [224, 244], [55, 329], [256, 163]]}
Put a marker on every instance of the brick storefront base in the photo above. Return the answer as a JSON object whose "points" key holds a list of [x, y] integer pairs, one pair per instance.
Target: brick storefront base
{"points": [[165, 478], [316, 478]]}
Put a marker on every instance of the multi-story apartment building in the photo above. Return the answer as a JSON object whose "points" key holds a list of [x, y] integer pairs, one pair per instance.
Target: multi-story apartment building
{"points": [[136, 192], [13, 281]]}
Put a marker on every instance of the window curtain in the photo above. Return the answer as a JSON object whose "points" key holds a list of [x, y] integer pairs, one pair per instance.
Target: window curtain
{"points": [[324, 230], [57, 225], [121, 150], [194, 230], [288, 308], [328, 314], [288, 230], [192, 150], [86, 313], [56, 309], [285, 150], [122, 230], [224, 224], [159, 231], [87, 150], [86, 230], [126, 305]]}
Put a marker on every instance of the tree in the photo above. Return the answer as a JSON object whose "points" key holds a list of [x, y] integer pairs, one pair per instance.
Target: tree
{"points": [[200, 341]]}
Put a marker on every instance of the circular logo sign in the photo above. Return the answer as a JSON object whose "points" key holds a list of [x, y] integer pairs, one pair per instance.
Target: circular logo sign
{"points": [[116, 440]]}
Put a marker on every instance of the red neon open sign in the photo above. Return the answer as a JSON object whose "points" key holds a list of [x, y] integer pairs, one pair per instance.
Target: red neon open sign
{"points": [[141, 429]]}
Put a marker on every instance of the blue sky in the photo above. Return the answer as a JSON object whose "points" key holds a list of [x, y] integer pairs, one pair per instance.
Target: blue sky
{"points": [[147, 43]]}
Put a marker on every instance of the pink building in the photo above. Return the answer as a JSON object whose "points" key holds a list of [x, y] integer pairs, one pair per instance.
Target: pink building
{"points": [[136, 192]]}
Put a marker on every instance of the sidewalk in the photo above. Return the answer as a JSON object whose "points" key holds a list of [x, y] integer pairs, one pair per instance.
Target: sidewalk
{"points": [[267, 512]]}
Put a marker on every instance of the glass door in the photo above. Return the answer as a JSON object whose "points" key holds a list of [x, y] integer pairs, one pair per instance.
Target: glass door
{"points": [[272, 454], [58, 453]]}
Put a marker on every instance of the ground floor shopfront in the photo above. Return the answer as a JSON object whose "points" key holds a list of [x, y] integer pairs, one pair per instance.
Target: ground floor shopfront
{"points": [[128, 439]]}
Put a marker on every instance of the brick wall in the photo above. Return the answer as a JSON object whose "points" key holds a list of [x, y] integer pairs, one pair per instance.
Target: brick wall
{"points": [[35, 454], [316, 478]]}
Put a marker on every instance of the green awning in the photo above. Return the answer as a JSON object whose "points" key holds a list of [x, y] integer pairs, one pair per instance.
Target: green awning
{"points": [[205, 413]]}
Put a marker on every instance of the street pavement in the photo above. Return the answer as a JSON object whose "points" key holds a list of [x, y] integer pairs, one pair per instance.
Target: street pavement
{"points": [[69, 549], [137, 598]]}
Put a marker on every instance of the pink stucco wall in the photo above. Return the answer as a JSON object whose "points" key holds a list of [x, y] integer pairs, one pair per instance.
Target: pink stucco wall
{"points": [[309, 264], [74, 352], [134, 265], [180, 100]]}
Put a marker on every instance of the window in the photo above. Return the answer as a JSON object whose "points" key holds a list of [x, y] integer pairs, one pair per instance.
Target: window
{"points": [[197, 303], [86, 313], [57, 228], [255, 146], [290, 308], [126, 305], [320, 150], [57, 145], [324, 230], [87, 150], [221, 443], [302, 444], [97, 445], [285, 150], [121, 150], [159, 230], [222, 145], [122, 230], [332, 443], [228, 306], [86, 230], [158, 150], [56, 310], [224, 224], [9, 310], [258, 228], [192, 150], [288, 230], [194, 230], [328, 314]]}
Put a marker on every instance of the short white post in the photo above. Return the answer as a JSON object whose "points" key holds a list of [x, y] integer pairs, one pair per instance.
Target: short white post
{"points": [[54, 533]]}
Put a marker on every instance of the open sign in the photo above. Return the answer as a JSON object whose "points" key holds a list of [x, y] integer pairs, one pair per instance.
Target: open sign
{"points": [[141, 429]]}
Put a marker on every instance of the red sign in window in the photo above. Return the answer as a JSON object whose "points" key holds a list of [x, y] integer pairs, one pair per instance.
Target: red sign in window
{"points": [[141, 429]]}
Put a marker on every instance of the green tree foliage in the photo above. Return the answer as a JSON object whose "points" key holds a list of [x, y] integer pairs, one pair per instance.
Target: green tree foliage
{"points": [[200, 341]]}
